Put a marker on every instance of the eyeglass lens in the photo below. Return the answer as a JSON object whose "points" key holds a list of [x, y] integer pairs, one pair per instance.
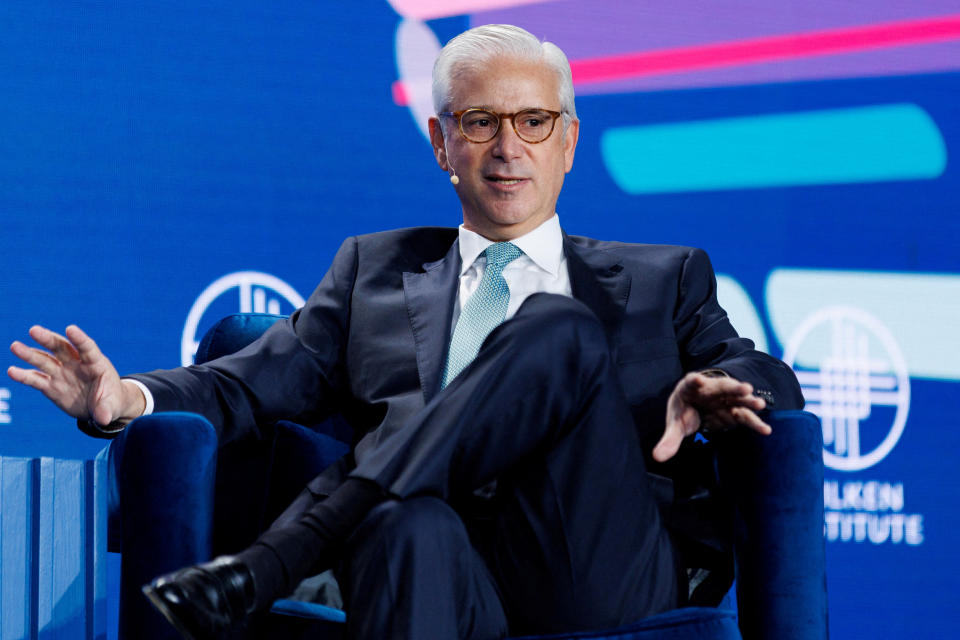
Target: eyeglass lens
{"points": [[532, 125]]}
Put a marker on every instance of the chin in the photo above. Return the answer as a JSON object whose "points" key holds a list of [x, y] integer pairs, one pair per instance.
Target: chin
{"points": [[513, 215], [504, 219]]}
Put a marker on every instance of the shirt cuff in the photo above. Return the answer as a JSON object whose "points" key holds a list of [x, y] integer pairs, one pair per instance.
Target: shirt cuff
{"points": [[147, 396]]}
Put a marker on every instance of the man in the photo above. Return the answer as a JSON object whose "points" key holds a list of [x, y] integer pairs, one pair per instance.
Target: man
{"points": [[501, 483]]}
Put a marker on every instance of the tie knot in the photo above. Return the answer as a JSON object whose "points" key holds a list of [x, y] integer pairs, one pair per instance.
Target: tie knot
{"points": [[500, 254]]}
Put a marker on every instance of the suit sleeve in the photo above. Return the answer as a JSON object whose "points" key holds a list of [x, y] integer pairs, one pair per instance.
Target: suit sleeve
{"points": [[294, 371], [708, 341]]}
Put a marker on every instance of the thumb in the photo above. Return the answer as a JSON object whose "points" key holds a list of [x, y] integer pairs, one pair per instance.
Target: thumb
{"points": [[678, 427], [102, 414], [107, 401]]}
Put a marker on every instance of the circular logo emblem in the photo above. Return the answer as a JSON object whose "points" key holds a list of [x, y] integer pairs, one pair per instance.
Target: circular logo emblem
{"points": [[243, 291], [855, 379]]}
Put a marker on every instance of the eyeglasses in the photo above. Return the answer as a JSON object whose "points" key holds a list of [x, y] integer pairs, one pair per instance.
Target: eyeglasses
{"points": [[482, 125]]}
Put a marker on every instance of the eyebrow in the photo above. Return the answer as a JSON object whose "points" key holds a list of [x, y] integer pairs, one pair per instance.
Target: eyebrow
{"points": [[489, 108]]}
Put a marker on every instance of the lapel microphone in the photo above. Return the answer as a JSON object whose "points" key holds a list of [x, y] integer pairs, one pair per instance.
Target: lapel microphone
{"points": [[454, 180]]}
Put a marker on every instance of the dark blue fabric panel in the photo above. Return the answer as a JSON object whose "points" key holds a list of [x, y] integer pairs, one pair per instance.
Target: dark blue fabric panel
{"points": [[233, 333], [777, 487], [692, 623], [162, 470]]}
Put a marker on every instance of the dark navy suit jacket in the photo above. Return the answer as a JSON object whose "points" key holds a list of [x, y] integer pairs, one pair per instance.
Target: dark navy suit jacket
{"points": [[371, 341]]}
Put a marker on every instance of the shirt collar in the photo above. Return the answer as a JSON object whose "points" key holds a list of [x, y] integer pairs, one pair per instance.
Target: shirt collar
{"points": [[543, 245]]}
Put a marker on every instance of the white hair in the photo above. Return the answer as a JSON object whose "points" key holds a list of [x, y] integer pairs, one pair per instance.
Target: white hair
{"points": [[474, 48]]}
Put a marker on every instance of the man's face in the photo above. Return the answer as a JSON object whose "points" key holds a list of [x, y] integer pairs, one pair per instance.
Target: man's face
{"points": [[507, 186]]}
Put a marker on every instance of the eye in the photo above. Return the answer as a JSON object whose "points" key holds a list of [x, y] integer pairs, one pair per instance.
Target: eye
{"points": [[478, 120], [533, 119]]}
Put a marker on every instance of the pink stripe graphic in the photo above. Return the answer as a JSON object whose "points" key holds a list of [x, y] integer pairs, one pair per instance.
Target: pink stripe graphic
{"points": [[799, 45], [399, 91], [429, 9]]}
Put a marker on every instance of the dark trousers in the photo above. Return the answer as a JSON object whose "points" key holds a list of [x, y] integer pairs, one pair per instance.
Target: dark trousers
{"points": [[571, 538]]}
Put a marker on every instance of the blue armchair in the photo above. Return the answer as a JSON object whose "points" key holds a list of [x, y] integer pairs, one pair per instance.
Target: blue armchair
{"points": [[166, 511]]}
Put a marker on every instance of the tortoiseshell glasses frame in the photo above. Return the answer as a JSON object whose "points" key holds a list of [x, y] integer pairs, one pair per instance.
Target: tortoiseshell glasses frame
{"points": [[478, 125]]}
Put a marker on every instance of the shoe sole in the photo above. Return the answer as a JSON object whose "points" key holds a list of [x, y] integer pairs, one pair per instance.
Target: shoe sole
{"points": [[167, 613]]}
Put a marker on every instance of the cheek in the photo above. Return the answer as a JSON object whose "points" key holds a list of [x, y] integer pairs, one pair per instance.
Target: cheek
{"points": [[462, 157], [558, 170]]}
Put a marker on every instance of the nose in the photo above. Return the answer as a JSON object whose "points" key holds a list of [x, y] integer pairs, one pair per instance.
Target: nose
{"points": [[507, 145]]}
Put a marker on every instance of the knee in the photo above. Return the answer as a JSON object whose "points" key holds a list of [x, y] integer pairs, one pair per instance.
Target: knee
{"points": [[557, 330], [558, 319], [552, 304]]}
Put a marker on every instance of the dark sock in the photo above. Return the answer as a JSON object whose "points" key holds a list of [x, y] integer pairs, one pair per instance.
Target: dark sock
{"points": [[284, 556]]}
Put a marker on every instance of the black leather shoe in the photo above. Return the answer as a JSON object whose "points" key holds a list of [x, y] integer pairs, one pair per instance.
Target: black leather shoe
{"points": [[205, 601]]}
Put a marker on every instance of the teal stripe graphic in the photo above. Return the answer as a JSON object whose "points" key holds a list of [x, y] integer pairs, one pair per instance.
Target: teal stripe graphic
{"points": [[862, 144]]}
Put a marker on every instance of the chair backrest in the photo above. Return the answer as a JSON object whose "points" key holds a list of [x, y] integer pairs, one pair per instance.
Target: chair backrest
{"points": [[232, 333]]}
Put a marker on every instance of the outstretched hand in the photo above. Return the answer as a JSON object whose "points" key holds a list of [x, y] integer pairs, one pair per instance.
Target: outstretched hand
{"points": [[75, 375], [711, 403]]}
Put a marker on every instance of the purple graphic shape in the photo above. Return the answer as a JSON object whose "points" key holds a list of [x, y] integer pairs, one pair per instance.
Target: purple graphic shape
{"points": [[608, 27], [885, 62]]}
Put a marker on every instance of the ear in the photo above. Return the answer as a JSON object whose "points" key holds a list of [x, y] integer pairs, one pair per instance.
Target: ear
{"points": [[436, 140], [570, 144]]}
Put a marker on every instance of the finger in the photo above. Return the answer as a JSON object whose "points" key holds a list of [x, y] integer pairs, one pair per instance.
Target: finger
{"points": [[36, 357], [729, 418], [44, 336], [718, 419], [86, 347], [700, 389], [726, 402], [727, 387], [755, 403], [751, 420], [30, 377], [692, 385], [751, 401], [102, 415], [732, 386], [54, 342], [687, 422], [667, 447]]}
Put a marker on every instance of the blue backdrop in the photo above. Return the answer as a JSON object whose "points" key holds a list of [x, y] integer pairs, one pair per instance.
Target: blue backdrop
{"points": [[163, 163]]}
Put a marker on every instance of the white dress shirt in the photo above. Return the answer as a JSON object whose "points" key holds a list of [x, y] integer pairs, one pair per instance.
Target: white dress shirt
{"points": [[541, 269]]}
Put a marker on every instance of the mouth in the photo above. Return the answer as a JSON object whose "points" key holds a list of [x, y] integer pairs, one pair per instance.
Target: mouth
{"points": [[505, 180]]}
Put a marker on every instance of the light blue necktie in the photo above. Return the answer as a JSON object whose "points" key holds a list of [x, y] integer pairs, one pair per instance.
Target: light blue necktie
{"points": [[483, 311]]}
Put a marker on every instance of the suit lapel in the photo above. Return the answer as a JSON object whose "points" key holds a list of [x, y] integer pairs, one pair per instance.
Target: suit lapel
{"points": [[429, 298], [598, 279]]}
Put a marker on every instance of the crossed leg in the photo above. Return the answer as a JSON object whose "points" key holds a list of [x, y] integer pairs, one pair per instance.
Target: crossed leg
{"points": [[573, 540]]}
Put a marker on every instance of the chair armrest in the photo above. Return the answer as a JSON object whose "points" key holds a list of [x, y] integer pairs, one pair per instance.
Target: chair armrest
{"points": [[776, 484], [161, 471], [161, 466]]}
